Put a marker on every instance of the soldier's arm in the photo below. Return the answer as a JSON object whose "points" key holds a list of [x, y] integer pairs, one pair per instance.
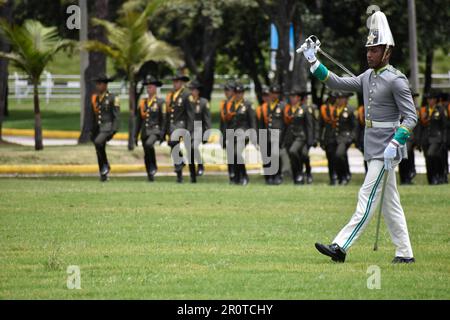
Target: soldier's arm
{"points": [[404, 101], [309, 129], [138, 125], [116, 114], [163, 121], [251, 116], [335, 82]]}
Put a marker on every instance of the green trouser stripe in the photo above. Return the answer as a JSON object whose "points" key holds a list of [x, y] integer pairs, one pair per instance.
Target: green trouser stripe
{"points": [[366, 214]]}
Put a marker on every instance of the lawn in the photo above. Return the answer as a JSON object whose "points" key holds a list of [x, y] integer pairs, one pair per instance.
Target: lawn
{"points": [[132, 239]]}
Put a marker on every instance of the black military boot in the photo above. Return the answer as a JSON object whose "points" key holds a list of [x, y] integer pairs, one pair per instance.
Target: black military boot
{"points": [[309, 178], [398, 260], [104, 172], [200, 169], [336, 253], [277, 179], [243, 177]]}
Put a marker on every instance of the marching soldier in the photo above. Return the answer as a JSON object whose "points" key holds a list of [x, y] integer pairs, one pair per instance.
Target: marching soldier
{"points": [[260, 120], [328, 134], [229, 92], [387, 97], [407, 167], [151, 124], [241, 116], [180, 115], [433, 134], [202, 114], [106, 107], [273, 119], [299, 133], [314, 112], [346, 128]]}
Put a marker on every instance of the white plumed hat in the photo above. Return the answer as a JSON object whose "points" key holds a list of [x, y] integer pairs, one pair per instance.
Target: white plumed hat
{"points": [[379, 31]]}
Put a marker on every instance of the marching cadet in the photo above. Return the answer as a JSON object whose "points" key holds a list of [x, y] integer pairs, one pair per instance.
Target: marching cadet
{"points": [[229, 92], [151, 124], [314, 112], [180, 115], [202, 114], [265, 95], [359, 139], [328, 134], [407, 167], [386, 97], [299, 133], [106, 107], [273, 119], [346, 128], [241, 116], [433, 137]]}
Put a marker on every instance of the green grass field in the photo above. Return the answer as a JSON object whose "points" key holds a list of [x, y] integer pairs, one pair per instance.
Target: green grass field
{"points": [[132, 239]]}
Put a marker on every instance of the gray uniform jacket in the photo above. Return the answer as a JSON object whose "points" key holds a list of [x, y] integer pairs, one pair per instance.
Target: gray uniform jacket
{"points": [[387, 97]]}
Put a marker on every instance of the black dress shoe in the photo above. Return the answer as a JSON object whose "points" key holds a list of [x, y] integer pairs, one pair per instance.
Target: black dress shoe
{"points": [[103, 178], [151, 177], [179, 176], [105, 170], [244, 181], [269, 180], [277, 180], [309, 178], [403, 260], [343, 182], [333, 182], [336, 253], [299, 179], [200, 170], [193, 179]]}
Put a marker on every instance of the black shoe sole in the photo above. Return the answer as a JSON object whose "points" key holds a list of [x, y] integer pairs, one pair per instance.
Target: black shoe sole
{"points": [[323, 250]]}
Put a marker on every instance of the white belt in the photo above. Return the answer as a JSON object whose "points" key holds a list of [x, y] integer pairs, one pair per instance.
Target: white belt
{"points": [[379, 124]]}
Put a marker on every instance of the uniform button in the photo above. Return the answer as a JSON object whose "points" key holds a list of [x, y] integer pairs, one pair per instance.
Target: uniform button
{"points": [[375, 76], [373, 84], [371, 91], [368, 114], [99, 122], [146, 124], [370, 99]]}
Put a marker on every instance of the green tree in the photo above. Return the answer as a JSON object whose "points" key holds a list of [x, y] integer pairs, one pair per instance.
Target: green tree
{"points": [[130, 45], [33, 46]]}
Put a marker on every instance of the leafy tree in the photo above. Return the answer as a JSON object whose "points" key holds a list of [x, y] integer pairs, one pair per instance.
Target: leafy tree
{"points": [[33, 46]]}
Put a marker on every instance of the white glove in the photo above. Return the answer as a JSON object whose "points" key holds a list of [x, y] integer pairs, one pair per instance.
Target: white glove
{"points": [[389, 155], [310, 48]]}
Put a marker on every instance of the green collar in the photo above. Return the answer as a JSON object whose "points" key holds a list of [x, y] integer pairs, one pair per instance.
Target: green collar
{"points": [[380, 71]]}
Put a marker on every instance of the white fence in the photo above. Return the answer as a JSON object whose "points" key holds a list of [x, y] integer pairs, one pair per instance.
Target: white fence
{"points": [[68, 86]]}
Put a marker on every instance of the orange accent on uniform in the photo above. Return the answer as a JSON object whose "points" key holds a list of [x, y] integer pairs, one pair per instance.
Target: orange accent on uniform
{"points": [[287, 118], [230, 114], [424, 119], [361, 116], [265, 110], [142, 108], [94, 104], [168, 101], [328, 119]]}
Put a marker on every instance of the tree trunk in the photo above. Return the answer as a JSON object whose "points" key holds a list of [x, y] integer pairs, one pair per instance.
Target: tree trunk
{"points": [[209, 57], [38, 145], [97, 65], [132, 109], [5, 13], [428, 71], [301, 65]]}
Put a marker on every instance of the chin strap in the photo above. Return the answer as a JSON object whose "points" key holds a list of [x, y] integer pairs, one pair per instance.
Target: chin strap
{"points": [[385, 53]]}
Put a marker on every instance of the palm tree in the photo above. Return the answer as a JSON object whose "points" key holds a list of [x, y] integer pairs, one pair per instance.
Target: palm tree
{"points": [[33, 46], [130, 45]]}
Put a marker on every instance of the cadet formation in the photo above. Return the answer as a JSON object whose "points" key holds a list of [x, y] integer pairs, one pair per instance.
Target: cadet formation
{"points": [[334, 126]]}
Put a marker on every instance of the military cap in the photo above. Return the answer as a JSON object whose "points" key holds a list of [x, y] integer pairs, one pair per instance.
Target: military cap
{"points": [[103, 78], [275, 88], [180, 76], [341, 94], [432, 94], [149, 79], [239, 87], [195, 84], [229, 85], [299, 93]]}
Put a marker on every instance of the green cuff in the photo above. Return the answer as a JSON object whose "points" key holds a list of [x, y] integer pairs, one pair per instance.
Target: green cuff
{"points": [[321, 73], [401, 135]]}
